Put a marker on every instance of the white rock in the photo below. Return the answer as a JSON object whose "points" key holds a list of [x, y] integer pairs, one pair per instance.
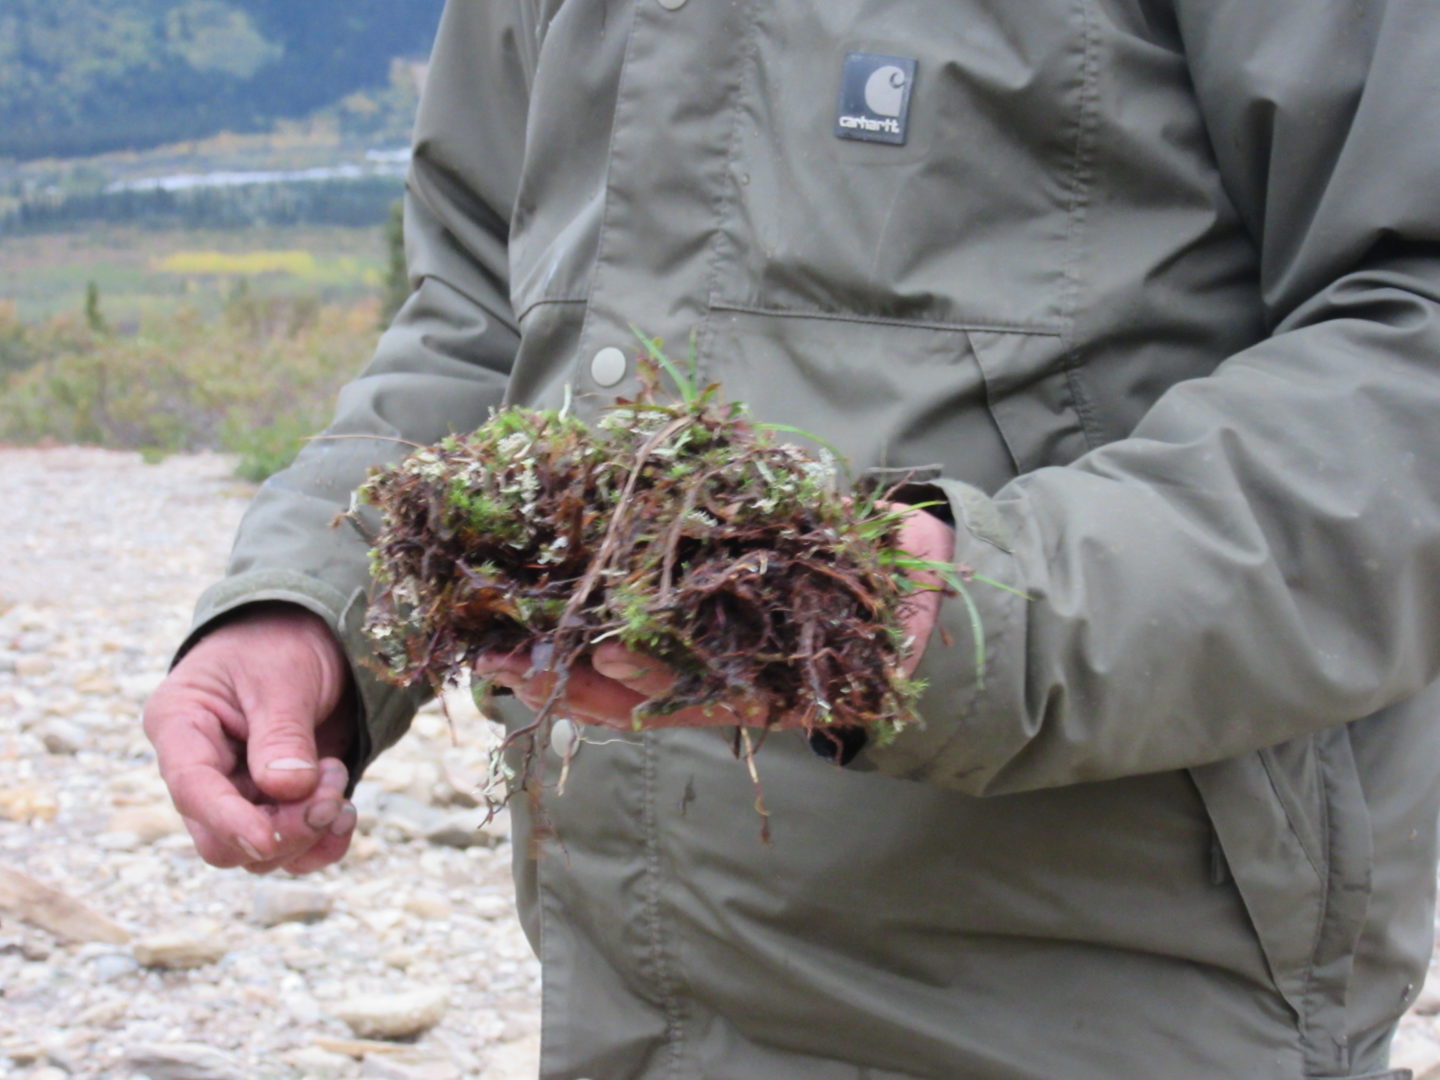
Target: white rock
{"points": [[1428, 1003], [149, 823], [519, 1060], [180, 950], [311, 1061], [32, 666], [429, 905], [184, 1061], [54, 911], [1416, 1050], [279, 902], [409, 1066], [393, 1016]]}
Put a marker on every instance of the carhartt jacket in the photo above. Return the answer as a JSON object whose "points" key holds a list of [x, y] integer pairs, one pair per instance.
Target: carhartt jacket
{"points": [[1151, 290]]}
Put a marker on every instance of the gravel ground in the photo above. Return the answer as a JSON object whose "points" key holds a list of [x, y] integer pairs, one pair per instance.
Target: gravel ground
{"points": [[134, 959], [145, 962]]}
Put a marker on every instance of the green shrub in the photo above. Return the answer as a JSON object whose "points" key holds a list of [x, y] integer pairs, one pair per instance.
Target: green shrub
{"points": [[253, 381]]}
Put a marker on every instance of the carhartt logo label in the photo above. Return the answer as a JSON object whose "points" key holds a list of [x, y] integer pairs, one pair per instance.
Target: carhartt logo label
{"points": [[875, 97]]}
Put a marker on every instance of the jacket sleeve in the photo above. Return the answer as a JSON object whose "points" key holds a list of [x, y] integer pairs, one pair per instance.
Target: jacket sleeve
{"points": [[1260, 558], [439, 368]]}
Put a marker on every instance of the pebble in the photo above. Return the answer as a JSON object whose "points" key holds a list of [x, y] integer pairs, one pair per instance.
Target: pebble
{"points": [[30, 667], [408, 1067], [184, 1061], [393, 1016], [62, 736], [429, 905], [55, 911], [147, 823], [461, 830], [112, 966], [317, 1064], [278, 902], [1417, 1050], [181, 950], [27, 804]]}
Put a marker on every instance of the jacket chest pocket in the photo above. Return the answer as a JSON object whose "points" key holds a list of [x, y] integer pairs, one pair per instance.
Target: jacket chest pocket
{"points": [[967, 222]]}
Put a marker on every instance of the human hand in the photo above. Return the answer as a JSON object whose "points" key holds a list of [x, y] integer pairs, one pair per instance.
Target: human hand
{"points": [[607, 687], [240, 727]]}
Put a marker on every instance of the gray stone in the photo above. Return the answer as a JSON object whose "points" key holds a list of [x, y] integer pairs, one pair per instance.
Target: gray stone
{"points": [[112, 966], [62, 737], [461, 830], [405, 818]]}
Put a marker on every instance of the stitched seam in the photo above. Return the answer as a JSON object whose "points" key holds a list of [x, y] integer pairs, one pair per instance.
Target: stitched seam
{"points": [[520, 317], [601, 241], [1082, 177], [1034, 330], [1290, 822], [1307, 1034], [705, 336], [664, 977]]}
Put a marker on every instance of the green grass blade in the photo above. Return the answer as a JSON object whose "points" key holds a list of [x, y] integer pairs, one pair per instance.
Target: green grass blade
{"points": [[683, 383]]}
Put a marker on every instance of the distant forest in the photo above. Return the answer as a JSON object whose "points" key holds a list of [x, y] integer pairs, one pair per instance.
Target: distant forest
{"points": [[81, 77]]}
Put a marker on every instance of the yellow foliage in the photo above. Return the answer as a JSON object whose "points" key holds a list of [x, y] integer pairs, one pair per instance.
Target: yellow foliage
{"points": [[297, 263]]}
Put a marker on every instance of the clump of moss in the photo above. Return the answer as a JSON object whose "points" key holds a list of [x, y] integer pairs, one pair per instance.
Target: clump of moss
{"points": [[676, 525]]}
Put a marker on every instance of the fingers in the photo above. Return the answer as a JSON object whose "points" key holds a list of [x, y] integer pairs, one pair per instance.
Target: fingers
{"points": [[311, 833], [926, 537], [588, 695], [608, 688], [298, 678], [643, 674], [234, 729]]}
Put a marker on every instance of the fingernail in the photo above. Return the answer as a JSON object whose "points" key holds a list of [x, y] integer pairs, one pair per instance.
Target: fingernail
{"points": [[344, 820], [322, 814], [290, 764], [249, 849], [334, 775], [622, 671]]}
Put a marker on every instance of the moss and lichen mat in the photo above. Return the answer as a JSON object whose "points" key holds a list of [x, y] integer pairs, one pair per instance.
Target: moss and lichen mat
{"points": [[676, 525]]}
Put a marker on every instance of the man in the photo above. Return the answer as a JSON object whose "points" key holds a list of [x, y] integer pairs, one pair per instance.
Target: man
{"points": [[1149, 290]]}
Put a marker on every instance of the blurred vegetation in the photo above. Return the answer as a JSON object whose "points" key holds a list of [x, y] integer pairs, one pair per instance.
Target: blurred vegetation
{"points": [[82, 77], [254, 379], [146, 273], [356, 202]]}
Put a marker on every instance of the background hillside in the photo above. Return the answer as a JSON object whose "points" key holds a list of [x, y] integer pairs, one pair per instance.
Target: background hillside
{"points": [[83, 77]]}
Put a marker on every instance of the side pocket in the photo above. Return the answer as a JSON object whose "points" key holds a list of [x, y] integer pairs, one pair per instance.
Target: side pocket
{"points": [[1294, 834], [1280, 886]]}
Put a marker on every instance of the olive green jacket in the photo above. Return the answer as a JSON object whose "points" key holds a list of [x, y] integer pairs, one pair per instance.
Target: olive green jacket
{"points": [[1153, 287]]}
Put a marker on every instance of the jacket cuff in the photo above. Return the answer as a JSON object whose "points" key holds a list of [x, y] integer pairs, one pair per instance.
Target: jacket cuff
{"points": [[960, 715], [385, 710]]}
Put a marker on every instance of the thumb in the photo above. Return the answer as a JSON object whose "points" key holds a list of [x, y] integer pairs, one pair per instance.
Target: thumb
{"points": [[281, 749], [297, 675]]}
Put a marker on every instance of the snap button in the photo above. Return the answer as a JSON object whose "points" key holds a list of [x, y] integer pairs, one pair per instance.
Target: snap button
{"points": [[672, 5], [608, 366], [564, 737]]}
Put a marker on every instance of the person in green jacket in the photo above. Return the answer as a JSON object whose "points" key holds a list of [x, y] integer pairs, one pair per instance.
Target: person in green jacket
{"points": [[1149, 292]]}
